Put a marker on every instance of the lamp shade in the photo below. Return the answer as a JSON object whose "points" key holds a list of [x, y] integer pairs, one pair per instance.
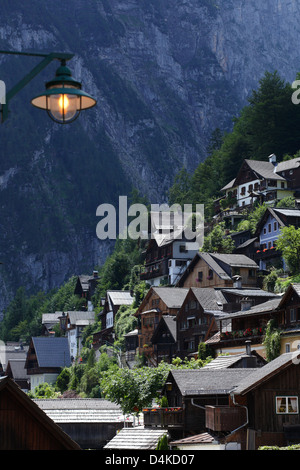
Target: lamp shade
{"points": [[63, 99]]}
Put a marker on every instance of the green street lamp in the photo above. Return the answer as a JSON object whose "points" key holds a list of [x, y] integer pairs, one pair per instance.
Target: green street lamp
{"points": [[63, 98]]}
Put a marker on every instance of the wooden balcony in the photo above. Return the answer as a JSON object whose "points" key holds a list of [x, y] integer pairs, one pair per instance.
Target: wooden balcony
{"points": [[163, 417], [224, 418]]}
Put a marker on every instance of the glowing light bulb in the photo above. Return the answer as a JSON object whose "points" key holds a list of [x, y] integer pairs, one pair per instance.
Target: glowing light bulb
{"points": [[63, 103]]}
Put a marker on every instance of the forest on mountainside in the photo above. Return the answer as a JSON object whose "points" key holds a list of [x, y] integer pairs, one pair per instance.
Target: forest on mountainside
{"points": [[269, 123]]}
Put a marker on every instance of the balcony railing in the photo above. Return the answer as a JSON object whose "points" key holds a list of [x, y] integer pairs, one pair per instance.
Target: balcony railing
{"points": [[163, 417]]}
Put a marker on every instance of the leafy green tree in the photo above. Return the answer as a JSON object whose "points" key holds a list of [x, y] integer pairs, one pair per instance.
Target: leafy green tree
{"points": [[289, 244], [43, 390], [272, 341], [217, 241], [62, 381]]}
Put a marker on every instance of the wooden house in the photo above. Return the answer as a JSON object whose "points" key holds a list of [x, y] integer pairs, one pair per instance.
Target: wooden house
{"points": [[113, 300], [271, 397], [248, 406], [164, 339], [46, 357], [189, 392], [249, 323], [288, 320], [24, 426], [196, 319], [158, 301], [219, 270]]}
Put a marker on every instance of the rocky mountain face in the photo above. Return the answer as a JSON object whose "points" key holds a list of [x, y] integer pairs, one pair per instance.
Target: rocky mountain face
{"points": [[165, 73]]}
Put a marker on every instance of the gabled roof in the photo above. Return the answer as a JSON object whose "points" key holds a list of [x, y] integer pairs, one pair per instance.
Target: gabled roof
{"points": [[16, 367], [119, 297], [278, 214], [292, 287], [194, 382], [170, 322], [235, 260], [266, 372], [265, 169], [228, 361], [51, 352], [214, 260], [80, 317], [41, 419], [209, 298], [265, 307]]}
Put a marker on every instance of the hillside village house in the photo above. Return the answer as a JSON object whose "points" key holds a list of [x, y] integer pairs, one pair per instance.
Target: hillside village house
{"points": [[45, 359], [251, 322], [263, 181], [164, 339], [158, 301], [85, 287], [219, 270], [166, 259], [111, 304], [267, 233], [196, 319]]}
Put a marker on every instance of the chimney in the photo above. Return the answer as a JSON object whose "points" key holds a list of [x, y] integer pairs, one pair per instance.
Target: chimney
{"points": [[248, 347], [95, 274], [273, 160], [237, 282], [246, 304]]}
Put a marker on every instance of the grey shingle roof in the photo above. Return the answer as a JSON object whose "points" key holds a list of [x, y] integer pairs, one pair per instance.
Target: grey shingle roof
{"points": [[193, 382], [136, 438], [209, 298], [77, 316], [265, 169], [235, 260], [207, 257], [119, 297], [81, 410], [173, 297], [17, 367], [52, 352], [265, 307], [266, 372]]}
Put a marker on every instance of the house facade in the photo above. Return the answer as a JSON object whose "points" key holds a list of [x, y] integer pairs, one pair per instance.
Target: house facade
{"points": [[46, 357], [235, 405], [196, 320], [219, 270], [113, 300], [268, 231], [158, 301], [166, 260], [263, 181]]}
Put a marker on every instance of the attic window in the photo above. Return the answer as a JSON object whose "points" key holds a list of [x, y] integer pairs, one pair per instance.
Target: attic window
{"points": [[287, 405]]}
